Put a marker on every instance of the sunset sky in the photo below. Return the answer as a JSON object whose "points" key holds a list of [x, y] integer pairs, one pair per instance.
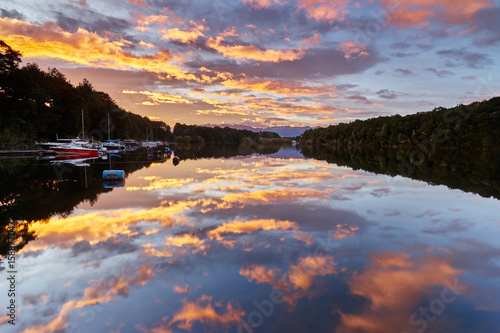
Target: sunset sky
{"points": [[266, 62]]}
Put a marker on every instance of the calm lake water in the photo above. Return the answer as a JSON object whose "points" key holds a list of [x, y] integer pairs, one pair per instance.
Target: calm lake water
{"points": [[243, 242]]}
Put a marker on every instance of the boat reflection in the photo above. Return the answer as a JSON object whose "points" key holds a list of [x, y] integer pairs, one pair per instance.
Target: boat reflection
{"points": [[76, 160]]}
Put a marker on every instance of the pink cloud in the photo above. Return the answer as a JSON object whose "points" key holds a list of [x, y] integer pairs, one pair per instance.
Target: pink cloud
{"points": [[324, 10]]}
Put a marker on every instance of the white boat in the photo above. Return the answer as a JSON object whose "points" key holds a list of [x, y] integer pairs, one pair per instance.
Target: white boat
{"points": [[64, 142], [112, 145]]}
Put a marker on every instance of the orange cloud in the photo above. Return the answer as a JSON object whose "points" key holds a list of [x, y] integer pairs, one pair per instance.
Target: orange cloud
{"points": [[225, 111], [181, 289], [284, 174], [258, 106], [344, 231], [247, 227], [279, 87], [410, 13], [353, 51], [153, 19], [394, 284], [138, 3], [252, 52], [146, 45], [312, 41], [259, 274], [86, 48], [186, 239], [324, 10], [259, 4], [270, 196], [150, 251], [302, 275], [203, 311], [161, 183], [298, 281], [327, 119], [182, 36], [157, 98], [64, 232]]}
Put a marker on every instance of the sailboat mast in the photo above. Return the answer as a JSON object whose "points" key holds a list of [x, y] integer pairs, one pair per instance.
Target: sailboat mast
{"points": [[109, 135], [83, 128]]}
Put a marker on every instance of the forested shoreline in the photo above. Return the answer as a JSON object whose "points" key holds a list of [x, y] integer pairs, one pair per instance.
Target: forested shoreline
{"points": [[201, 134], [473, 126], [37, 105]]}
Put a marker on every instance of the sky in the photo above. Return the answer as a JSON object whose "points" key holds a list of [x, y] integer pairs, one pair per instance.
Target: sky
{"points": [[266, 63]]}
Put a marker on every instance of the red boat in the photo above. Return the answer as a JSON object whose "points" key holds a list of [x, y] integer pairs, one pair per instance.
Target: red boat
{"points": [[76, 150]]}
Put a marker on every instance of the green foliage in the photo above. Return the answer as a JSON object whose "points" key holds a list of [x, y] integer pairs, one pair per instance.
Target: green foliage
{"points": [[272, 141], [246, 142], [465, 126], [184, 139], [218, 134], [37, 105]]}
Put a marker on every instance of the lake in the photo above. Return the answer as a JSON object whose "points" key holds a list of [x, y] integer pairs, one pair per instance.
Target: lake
{"points": [[236, 240]]}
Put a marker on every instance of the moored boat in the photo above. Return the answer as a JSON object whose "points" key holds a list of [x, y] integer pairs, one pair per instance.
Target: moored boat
{"points": [[76, 150], [113, 145], [131, 144], [63, 142]]}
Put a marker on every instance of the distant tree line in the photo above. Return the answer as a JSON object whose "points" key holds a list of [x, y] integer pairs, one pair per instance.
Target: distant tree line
{"points": [[476, 125], [37, 105], [201, 134]]}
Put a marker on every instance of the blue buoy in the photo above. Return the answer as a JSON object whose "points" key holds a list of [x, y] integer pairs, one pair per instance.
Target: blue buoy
{"points": [[113, 174]]}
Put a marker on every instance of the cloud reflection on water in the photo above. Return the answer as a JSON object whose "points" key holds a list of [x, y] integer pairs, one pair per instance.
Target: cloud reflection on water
{"points": [[201, 244]]}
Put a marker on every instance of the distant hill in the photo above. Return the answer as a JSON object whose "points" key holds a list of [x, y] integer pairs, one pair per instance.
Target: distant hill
{"points": [[217, 134], [283, 131], [473, 126]]}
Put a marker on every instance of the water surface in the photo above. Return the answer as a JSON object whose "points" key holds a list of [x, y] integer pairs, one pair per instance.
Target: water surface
{"points": [[246, 242]]}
